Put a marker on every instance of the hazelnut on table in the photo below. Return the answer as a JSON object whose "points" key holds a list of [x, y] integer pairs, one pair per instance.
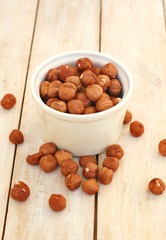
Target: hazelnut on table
{"points": [[128, 117], [57, 202], [69, 166], [90, 170], [48, 163], [63, 155], [34, 159], [73, 181], [162, 147], [156, 186], [136, 129], [115, 150], [16, 137], [47, 148], [8, 101], [111, 163], [86, 159], [90, 186], [20, 191], [105, 175]]}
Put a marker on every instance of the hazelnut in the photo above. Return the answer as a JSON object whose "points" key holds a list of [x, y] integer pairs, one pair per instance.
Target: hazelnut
{"points": [[90, 170], [136, 129], [67, 91], [75, 106], [114, 150], [105, 175], [48, 163], [69, 166], [111, 163], [103, 81], [103, 103], [128, 117], [20, 191], [85, 100], [156, 186], [162, 147], [90, 186], [105, 95], [65, 71], [85, 159], [84, 64], [47, 148], [89, 110], [16, 137], [96, 71], [53, 88], [87, 78], [110, 70], [57, 202], [75, 80], [50, 101], [63, 155], [59, 105], [94, 92], [115, 87], [73, 181], [34, 159], [44, 86], [8, 101], [52, 75]]}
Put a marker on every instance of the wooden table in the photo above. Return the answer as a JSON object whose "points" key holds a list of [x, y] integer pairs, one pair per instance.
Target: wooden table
{"points": [[133, 32]]}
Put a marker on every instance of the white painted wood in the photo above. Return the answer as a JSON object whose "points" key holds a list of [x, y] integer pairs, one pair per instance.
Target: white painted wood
{"points": [[16, 28], [134, 32], [61, 26]]}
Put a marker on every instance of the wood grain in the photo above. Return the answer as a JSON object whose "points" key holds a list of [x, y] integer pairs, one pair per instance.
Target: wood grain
{"points": [[126, 210], [60, 27], [15, 46]]}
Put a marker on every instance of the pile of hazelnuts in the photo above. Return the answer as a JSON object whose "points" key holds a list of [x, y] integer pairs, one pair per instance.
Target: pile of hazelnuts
{"points": [[81, 89]]}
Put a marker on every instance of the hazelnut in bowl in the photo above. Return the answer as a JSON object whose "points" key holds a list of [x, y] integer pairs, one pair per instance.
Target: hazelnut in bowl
{"points": [[82, 98]]}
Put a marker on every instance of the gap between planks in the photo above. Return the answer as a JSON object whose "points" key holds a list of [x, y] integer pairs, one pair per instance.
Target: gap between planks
{"points": [[164, 12], [21, 110]]}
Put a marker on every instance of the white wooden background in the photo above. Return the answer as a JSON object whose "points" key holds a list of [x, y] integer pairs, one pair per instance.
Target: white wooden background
{"points": [[133, 32]]}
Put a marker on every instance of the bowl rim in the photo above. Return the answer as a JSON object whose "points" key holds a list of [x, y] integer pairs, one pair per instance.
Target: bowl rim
{"points": [[81, 117]]}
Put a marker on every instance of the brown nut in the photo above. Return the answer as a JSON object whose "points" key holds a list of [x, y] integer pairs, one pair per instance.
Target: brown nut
{"points": [[128, 117], [73, 181], [162, 147], [115, 150], [16, 137], [44, 86], [63, 155], [115, 100], [111, 163], [51, 100], [156, 186], [103, 81], [90, 170], [48, 163], [90, 186], [115, 87], [75, 106], [84, 64], [47, 148], [8, 101], [34, 159], [67, 91], [75, 80], [53, 89], [57, 202], [110, 70], [105, 175], [85, 159], [59, 105], [65, 71], [89, 110], [136, 129], [94, 92], [85, 100], [87, 78], [69, 166], [103, 103], [20, 191], [52, 75]]}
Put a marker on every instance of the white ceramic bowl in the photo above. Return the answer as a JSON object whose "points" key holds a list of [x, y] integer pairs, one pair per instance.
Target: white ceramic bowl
{"points": [[87, 134]]}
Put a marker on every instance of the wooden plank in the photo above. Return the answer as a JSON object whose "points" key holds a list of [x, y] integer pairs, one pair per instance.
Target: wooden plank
{"points": [[60, 27], [14, 54], [134, 32]]}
